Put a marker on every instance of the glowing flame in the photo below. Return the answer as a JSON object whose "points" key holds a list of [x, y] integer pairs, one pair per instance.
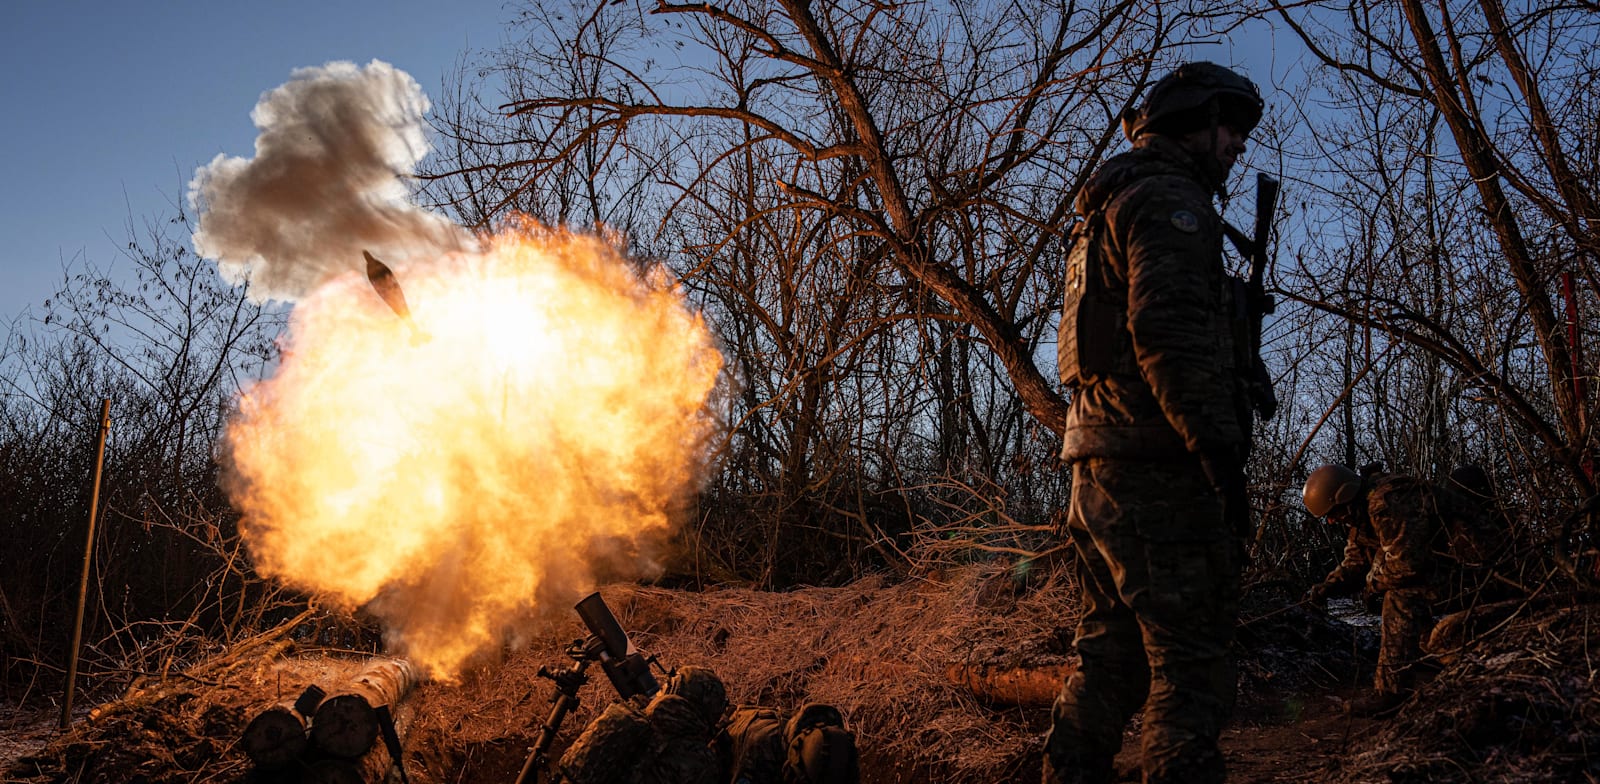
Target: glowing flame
{"points": [[533, 431]]}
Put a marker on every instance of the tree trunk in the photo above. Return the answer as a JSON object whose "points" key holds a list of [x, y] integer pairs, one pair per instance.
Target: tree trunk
{"points": [[1477, 153]]}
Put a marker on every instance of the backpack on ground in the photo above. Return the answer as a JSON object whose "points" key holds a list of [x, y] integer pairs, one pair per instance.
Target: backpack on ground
{"points": [[820, 749], [810, 747]]}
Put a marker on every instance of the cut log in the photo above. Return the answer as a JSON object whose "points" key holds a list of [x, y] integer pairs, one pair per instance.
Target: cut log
{"points": [[376, 766], [373, 768], [346, 723], [277, 735], [1024, 686]]}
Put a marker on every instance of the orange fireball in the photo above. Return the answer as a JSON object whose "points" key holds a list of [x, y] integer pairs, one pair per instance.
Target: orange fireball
{"points": [[536, 422]]}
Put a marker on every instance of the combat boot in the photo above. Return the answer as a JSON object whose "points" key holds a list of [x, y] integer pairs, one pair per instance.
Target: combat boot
{"points": [[1073, 769]]}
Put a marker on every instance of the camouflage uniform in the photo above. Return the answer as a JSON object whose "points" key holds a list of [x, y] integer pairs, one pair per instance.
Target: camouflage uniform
{"points": [[681, 749], [811, 746], [1422, 546], [609, 748], [1360, 544], [1158, 563], [669, 740]]}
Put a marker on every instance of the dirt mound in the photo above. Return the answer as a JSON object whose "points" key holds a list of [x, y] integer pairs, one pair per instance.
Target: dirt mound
{"points": [[881, 654], [1521, 704], [890, 657]]}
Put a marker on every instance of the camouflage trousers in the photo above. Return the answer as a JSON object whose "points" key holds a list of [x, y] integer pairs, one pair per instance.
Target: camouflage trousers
{"points": [[1407, 620], [1159, 570]]}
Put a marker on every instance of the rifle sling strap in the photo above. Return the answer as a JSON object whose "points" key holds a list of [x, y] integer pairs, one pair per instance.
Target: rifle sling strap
{"points": [[1241, 241]]}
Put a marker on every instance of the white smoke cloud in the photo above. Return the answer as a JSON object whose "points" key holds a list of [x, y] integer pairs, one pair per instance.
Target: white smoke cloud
{"points": [[329, 180]]}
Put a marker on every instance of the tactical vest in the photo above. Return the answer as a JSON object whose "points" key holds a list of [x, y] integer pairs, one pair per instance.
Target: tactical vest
{"points": [[1092, 340]]}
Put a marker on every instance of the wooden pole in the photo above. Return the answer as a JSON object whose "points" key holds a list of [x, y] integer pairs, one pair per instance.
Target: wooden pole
{"points": [[88, 560]]}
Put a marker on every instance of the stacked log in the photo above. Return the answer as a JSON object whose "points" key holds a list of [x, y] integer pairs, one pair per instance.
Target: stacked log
{"points": [[277, 736], [370, 767], [327, 738], [346, 723]]}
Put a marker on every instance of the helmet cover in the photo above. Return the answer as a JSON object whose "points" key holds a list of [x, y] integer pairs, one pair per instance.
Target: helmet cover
{"points": [[1193, 97], [1330, 486]]}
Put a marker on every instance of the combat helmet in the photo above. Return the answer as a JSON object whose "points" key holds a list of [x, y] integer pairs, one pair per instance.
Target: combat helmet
{"points": [[1195, 96], [703, 689], [1328, 487]]}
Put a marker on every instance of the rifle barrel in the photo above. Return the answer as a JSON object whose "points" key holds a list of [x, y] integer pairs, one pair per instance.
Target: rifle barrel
{"points": [[1266, 206]]}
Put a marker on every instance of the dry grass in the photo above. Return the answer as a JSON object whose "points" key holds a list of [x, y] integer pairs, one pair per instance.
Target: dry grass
{"points": [[879, 653], [1518, 707]]}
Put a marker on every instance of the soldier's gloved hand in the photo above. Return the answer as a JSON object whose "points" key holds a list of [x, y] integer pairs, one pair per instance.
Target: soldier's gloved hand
{"points": [[1317, 596]]}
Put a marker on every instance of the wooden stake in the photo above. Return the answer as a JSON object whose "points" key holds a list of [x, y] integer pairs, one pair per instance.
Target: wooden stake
{"points": [[88, 560]]}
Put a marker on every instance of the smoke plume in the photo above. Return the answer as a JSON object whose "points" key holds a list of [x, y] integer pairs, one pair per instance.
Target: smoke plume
{"points": [[532, 423], [328, 181], [543, 435]]}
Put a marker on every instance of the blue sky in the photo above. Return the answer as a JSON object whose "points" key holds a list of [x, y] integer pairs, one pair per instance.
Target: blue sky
{"points": [[110, 106]]}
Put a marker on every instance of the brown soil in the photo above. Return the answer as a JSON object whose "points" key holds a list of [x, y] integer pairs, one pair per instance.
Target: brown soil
{"points": [[1517, 706]]}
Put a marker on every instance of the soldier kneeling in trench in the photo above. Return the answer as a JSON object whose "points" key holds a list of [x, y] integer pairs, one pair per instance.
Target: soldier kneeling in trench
{"points": [[680, 737], [1420, 546]]}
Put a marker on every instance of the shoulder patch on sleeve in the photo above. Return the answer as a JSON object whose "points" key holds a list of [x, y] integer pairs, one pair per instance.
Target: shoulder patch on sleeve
{"points": [[1185, 221]]}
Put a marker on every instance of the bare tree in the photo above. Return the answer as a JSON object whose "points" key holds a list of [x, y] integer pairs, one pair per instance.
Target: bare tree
{"points": [[171, 348], [1510, 197], [959, 127], [868, 198], [1451, 180]]}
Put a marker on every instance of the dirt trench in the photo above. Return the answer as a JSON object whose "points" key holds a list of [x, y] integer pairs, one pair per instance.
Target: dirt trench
{"points": [[1519, 707]]}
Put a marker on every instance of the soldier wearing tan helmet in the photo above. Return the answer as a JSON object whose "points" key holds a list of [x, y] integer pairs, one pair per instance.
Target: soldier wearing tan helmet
{"points": [[1409, 541], [1157, 434], [669, 739], [689, 734]]}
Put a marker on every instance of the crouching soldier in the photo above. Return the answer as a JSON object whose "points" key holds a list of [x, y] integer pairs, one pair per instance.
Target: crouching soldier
{"points": [[679, 737], [1410, 541], [671, 739]]}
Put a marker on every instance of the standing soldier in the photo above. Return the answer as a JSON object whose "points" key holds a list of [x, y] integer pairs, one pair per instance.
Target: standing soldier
{"points": [[1157, 435], [1416, 543]]}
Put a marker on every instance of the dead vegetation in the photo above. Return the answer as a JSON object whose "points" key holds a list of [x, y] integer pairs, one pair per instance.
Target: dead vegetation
{"points": [[879, 652], [889, 416], [1522, 705], [1518, 707]]}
